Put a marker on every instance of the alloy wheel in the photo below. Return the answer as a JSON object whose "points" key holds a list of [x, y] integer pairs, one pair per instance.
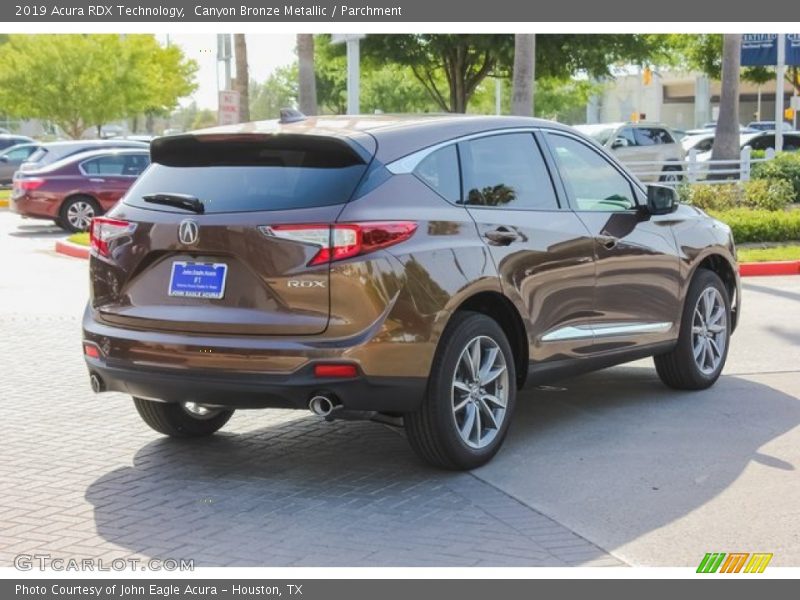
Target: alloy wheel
{"points": [[80, 215], [709, 330], [479, 392]]}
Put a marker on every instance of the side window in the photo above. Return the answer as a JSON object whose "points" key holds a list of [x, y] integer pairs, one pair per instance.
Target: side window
{"points": [[20, 153], [763, 142], [646, 136], [135, 164], [440, 171], [664, 136], [105, 165], [705, 145], [626, 133], [791, 143], [508, 171], [591, 181]]}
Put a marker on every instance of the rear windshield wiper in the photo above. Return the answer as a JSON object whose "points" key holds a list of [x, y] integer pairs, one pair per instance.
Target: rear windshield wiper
{"points": [[184, 201]]}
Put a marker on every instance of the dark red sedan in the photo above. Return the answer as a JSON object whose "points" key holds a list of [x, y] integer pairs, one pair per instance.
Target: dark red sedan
{"points": [[74, 190]]}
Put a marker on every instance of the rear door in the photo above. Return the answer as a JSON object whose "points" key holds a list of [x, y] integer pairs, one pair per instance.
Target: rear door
{"points": [[543, 253], [248, 264]]}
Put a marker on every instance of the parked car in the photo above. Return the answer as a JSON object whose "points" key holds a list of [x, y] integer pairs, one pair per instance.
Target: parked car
{"points": [[8, 140], [11, 158], [336, 265], [703, 142], [769, 126], [761, 140], [53, 151], [634, 143], [74, 190]]}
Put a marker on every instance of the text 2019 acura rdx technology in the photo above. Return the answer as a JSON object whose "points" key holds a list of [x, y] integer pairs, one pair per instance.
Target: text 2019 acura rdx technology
{"points": [[422, 268]]}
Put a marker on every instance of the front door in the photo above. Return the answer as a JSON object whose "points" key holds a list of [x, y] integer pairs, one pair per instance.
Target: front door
{"points": [[636, 299]]}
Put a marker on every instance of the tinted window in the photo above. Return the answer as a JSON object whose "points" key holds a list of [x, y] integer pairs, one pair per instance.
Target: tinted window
{"points": [[591, 181], [269, 173], [626, 133], [791, 143], [763, 142], [704, 145], [508, 171], [651, 136], [440, 171], [128, 165], [20, 153]]}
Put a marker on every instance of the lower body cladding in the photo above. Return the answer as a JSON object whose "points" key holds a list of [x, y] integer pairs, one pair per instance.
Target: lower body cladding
{"points": [[256, 372], [332, 396]]}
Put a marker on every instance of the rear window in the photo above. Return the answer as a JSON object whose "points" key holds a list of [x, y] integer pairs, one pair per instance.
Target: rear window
{"points": [[268, 173], [38, 155]]}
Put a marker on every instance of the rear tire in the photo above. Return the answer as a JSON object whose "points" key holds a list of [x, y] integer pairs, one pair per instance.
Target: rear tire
{"points": [[470, 397], [181, 420], [77, 212], [671, 175], [697, 360]]}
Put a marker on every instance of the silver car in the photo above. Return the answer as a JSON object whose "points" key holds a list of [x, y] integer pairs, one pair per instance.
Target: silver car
{"points": [[12, 158]]}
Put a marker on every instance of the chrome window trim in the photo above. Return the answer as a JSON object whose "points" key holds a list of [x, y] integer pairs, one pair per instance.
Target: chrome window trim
{"points": [[578, 332], [407, 164]]}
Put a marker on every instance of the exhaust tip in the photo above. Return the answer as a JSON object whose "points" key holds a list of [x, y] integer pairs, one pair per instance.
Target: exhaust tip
{"points": [[96, 383], [321, 406]]}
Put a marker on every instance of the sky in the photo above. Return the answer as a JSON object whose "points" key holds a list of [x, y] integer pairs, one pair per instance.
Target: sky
{"points": [[265, 53]]}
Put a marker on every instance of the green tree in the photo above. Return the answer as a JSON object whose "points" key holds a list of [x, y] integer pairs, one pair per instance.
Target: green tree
{"points": [[279, 91], [79, 81], [204, 118]]}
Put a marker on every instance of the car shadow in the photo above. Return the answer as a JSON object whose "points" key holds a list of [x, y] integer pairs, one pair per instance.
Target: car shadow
{"points": [[41, 230], [306, 492], [615, 455]]}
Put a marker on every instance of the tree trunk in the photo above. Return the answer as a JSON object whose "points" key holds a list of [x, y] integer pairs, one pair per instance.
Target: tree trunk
{"points": [[306, 79], [524, 74], [242, 83], [726, 139]]}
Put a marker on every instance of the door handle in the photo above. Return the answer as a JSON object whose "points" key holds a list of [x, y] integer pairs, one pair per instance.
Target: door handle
{"points": [[608, 241], [97, 179], [501, 236]]}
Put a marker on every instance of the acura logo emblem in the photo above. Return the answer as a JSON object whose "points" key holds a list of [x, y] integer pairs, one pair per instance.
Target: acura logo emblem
{"points": [[187, 232]]}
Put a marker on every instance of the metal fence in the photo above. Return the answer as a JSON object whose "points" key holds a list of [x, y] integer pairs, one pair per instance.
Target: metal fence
{"points": [[693, 170]]}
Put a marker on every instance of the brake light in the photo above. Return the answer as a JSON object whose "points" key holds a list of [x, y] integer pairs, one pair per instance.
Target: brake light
{"points": [[104, 230], [344, 240], [29, 184], [91, 350]]}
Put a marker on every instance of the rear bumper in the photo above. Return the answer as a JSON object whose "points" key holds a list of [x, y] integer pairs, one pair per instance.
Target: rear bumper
{"points": [[36, 208], [294, 390]]}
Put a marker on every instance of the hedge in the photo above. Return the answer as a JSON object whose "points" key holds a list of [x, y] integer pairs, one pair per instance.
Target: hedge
{"points": [[761, 225], [767, 194], [785, 165]]}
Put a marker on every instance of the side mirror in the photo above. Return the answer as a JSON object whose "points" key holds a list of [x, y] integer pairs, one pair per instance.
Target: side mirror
{"points": [[661, 199], [620, 142], [4, 159]]}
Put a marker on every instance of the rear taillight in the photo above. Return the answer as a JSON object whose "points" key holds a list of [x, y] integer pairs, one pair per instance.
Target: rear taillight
{"points": [[29, 184], [104, 230], [344, 240]]}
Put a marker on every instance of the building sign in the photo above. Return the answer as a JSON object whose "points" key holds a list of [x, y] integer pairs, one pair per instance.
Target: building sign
{"points": [[228, 113], [761, 49]]}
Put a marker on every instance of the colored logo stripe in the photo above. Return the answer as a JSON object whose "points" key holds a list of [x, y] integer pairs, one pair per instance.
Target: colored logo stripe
{"points": [[714, 562], [758, 562]]}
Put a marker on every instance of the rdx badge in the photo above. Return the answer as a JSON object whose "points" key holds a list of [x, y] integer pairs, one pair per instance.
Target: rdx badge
{"points": [[305, 283]]}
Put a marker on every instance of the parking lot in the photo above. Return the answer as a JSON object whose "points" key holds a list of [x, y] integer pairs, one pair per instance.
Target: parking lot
{"points": [[608, 469]]}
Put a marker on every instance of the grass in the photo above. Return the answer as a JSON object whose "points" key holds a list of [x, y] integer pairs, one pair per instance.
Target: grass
{"points": [[79, 238], [5, 194], [755, 254]]}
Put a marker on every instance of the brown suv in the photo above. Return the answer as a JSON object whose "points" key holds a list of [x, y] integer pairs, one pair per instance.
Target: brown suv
{"points": [[385, 267]]}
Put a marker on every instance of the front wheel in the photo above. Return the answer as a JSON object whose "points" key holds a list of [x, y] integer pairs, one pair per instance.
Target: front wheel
{"points": [[697, 360], [185, 419], [671, 175], [470, 397]]}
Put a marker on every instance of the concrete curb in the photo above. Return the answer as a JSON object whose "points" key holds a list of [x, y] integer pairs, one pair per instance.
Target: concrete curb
{"points": [[761, 269], [70, 249]]}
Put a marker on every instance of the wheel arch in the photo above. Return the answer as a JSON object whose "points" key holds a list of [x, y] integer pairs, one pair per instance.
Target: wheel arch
{"points": [[498, 307], [725, 270]]}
